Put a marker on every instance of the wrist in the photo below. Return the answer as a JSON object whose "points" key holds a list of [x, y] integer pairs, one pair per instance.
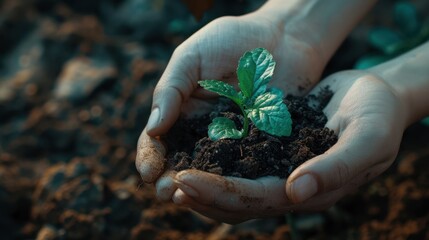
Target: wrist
{"points": [[322, 25], [408, 75], [301, 61], [292, 19]]}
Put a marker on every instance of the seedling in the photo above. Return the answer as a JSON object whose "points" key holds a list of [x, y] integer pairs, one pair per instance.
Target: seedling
{"points": [[262, 105]]}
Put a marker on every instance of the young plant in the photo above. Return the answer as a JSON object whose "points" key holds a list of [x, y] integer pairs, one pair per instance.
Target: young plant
{"points": [[259, 104]]}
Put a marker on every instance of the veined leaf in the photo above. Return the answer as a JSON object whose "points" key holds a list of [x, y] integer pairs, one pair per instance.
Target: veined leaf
{"points": [[270, 114], [254, 71], [221, 88], [222, 127], [264, 70], [265, 109], [246, 72]]}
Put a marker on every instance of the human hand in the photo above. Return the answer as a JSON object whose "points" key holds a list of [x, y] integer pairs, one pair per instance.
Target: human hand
{"points": [[213, 53], [304, 47], [369, 118]]}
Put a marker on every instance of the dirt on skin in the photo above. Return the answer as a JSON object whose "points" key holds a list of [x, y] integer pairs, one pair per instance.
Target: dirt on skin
{"points": [[67, 168], [259, 154]]}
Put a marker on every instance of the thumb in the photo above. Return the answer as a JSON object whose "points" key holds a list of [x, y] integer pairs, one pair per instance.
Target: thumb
{"points": [[173, 89], [354, 155]]}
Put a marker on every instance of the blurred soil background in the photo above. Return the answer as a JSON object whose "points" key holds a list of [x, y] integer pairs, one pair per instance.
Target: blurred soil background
{"points": [[76, 80]]}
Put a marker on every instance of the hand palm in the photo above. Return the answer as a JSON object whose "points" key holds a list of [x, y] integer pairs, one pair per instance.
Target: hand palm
{"points": [[214, 51]]}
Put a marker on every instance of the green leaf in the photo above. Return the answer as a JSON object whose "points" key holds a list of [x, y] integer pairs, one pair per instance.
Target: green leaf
{"points": [[264, 70], [383, 38], [222, 127], [245, 73], [406, 17], [259, 63], [221, 88], [270, 114], [368, 61]]}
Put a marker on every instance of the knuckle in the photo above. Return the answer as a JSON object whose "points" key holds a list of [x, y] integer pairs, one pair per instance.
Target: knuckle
{"points": [[342, 174], [225, 20], [158, 91], [185, 50], [179, 50], [387, 152]]}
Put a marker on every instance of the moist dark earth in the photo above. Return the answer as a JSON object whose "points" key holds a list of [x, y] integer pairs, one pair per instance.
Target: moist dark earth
{"points": [[259, 154], [76, 82]]}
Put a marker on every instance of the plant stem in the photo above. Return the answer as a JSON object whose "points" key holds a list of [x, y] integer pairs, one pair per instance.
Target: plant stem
{"points": [[245, 123]]}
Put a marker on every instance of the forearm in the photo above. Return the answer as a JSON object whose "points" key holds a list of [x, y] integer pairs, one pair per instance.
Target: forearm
{"points": [[409, 76], [325, 23]]}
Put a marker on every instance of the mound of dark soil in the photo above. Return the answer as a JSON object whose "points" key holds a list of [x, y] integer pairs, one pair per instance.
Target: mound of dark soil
{"points": [[259, 154]]}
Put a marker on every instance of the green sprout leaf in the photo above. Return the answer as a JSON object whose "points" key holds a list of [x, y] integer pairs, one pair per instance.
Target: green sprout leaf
{"points": [[245, 73], [270, 114], [254, 71], [264, 70], [221, 88], [222, 127], [265, 109]]}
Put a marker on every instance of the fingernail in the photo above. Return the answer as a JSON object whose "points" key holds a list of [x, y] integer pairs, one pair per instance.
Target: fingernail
{"points": [[179, 199], [153, 119], [303, 188], [187, 189]]}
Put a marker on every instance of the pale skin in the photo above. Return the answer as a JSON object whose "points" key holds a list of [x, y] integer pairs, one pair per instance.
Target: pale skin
{"points": [[369, 110]]}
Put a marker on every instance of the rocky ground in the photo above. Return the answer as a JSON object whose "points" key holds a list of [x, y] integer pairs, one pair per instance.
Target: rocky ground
{"points": [[76, 79]]}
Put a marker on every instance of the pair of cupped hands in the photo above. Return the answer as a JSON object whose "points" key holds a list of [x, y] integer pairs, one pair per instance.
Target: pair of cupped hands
{"points": [[365, 112]]}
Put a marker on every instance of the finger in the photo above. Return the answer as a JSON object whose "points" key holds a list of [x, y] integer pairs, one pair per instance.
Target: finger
{"points": [[231, 217], [229, 193], [320, 202], [367, 175], [165, 186], [337, 86], [196, 107], [173, 89], [354, 153], [150, 157], [328, 199], [335, 81], [234, 216]]}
